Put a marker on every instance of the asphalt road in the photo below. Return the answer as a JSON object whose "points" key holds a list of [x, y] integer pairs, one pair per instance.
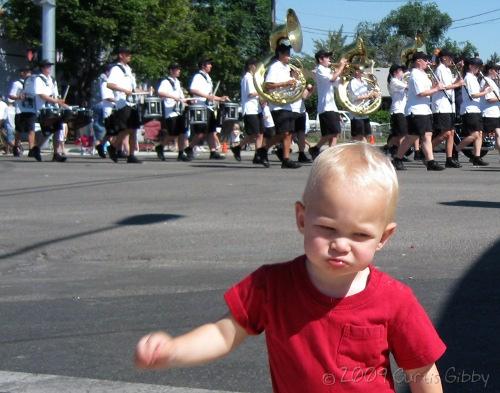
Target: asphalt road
{"points": [[95, 254]]}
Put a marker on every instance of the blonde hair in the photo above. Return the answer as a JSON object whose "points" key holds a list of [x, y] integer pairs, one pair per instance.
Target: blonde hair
{"points": [[359, 164]]}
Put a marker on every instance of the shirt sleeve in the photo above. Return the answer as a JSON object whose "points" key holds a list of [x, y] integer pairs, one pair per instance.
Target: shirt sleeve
{"points": [[195, 83], [165, 87], [40, 87], [412, 336], [420, 83], [115, 75], [247, 302]]}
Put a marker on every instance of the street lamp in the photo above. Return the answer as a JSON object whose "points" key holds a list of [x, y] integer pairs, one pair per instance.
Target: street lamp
{"points": [[48, 30]]}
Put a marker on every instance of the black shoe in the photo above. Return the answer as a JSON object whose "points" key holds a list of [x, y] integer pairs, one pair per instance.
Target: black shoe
{"points": [[303, 158], [279, 153], [183, 157], [189, 152], [452, 163], [133, 160], [58, 157], [398, 164], [433, 165], [16, 151], [406, 159], [35, 153], [418, 155], [478, 161], [236, 152], [256, 158], [314, 152], [101, 151], [159, 152], [216, 156], [287, 163], [112, 153], [262, 156], [121, 154]]}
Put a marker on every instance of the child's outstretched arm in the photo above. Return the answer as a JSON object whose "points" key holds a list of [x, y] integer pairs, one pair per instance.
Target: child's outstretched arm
{"points": [[424, 380], [201, 345]]}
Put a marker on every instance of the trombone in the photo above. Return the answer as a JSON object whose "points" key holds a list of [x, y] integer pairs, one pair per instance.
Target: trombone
{"points": [[436, 79]]}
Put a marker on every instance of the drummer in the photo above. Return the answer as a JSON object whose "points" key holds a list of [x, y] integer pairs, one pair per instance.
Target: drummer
{"points": [[170, 91], [126, 118], [47, 96], [202, 90]]}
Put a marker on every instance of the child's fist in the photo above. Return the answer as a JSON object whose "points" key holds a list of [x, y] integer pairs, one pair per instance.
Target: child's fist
{"points": [[154, 351]]}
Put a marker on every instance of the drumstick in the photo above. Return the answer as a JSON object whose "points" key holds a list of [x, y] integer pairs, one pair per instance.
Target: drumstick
{"points": [[66, 93]]}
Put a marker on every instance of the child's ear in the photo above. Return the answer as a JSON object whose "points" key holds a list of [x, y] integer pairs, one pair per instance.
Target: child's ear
{"points": [[388, 232], [299, 216]]}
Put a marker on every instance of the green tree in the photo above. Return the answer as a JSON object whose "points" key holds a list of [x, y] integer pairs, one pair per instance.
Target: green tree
{"points": [[158, 31], [465, 49]]}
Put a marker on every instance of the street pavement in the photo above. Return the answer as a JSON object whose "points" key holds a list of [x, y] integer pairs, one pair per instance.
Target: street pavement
{"points": [[94, 254]]}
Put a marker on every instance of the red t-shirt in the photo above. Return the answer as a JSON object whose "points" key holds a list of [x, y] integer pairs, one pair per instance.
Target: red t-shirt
{"points": [[321, 344]]}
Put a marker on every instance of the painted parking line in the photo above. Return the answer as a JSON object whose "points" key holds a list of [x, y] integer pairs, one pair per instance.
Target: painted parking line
{"points": [[15, 382]]}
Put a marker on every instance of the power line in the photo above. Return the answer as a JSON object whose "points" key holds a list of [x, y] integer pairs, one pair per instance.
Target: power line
{"points": [[473, 16], [476, 23]]}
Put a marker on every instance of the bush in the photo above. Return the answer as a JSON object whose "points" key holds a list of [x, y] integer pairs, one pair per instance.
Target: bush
{"points": [[381, 116]]}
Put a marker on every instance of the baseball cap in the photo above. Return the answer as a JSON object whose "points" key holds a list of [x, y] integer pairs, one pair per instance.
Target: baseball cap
{"points": [[205, 61], [321, 54], [420, 55], [475, 61], [174, 66], [445, 52], [45, 63], [124, 49]]}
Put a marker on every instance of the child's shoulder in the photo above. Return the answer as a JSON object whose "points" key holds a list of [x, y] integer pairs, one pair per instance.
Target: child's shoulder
{"points": [[275, 270], [391, 287]]}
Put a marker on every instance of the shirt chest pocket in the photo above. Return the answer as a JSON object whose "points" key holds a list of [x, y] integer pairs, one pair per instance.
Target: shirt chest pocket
{"points": [[361, 346]]}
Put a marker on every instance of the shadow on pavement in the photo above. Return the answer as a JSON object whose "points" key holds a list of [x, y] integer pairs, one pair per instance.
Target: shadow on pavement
{"points": [[491, 205], [469, 325], [141, 219]]}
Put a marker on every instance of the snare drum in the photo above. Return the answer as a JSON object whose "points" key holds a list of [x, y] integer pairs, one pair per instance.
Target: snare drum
{"points": [[69, 114], [228, 111], [152, 109], [49, 116], [83, 117], [197, 114]]}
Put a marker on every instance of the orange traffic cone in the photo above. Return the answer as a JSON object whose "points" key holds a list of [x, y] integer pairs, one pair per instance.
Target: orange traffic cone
{"points": [[224, 147], [372, 139]]}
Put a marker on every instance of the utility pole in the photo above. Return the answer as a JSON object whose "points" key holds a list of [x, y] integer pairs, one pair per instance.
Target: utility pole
{"points": [[273, 12], [48, 31]]}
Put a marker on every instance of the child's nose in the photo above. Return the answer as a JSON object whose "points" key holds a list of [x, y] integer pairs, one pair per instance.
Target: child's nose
{"points": [[340, 244]]}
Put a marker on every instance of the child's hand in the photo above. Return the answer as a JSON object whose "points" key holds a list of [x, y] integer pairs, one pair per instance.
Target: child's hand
{"points": [[154, 351]]}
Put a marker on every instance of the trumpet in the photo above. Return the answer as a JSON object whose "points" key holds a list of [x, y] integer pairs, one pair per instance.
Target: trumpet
{"points": [[489, 84], [436, 80]]}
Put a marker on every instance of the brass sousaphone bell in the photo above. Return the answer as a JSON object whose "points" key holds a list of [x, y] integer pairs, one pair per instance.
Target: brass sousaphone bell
{"points": [[292, 32]]}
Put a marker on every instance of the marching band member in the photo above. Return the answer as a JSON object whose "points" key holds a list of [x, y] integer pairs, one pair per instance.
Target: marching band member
{"points": [[170, 91], [329, 117], [22, 92], [471, 110], [299, 110], [252, 115], [443, 106], [397, 89], [202, 90], [358, 89], [419, 114], [104, 110], [279, 76], [126, 118], [46, 96], [490, 103]]}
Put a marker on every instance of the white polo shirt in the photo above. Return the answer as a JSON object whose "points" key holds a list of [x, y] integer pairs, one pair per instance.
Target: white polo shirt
{"points": [[171, 86], [106, 93], [397, 90], [3, 110], [122, 76], [469, 104], [203, 83], [47, 86], [418, 83], [440, 103], [490, 109], [326, 89], [249, 105], [16, 90], [27, 105], [278, 73]]}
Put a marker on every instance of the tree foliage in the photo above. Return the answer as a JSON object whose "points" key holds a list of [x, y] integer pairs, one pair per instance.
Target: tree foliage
{"points": [[158, 31]]}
